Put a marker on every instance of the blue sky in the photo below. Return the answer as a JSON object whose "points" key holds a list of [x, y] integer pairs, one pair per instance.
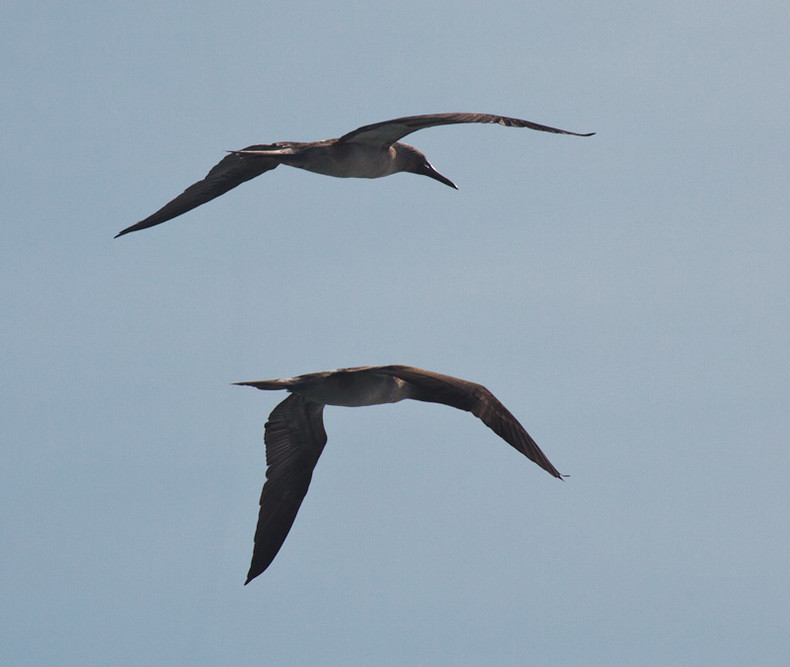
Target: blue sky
{"points": [[627, 296]]}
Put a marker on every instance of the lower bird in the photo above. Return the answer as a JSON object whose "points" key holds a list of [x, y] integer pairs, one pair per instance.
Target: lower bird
{"points": [[370, 151], [295, 437]]}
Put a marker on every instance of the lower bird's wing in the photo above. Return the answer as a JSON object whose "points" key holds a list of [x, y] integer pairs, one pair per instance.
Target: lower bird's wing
{"points": [[232, 170], [389, 131], [294, 438], [474, 398]]}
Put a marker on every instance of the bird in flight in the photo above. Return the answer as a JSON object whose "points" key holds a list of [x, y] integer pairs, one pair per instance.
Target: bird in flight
{"points": [[370, 151], [294, 435]]}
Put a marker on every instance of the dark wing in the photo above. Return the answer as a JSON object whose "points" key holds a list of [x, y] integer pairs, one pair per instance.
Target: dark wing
{"points": [[474, 398], [295, 438], [232, 170], [389, 131]]}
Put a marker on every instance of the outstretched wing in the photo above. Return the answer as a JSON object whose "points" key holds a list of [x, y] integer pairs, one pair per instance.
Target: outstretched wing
{"points": [[389, 131], [232, 170], [474, 398], [294, 437]]}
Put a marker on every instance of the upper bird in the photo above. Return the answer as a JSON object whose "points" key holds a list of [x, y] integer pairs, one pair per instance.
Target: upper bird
{"points": [[370, 151], [295, 437]]}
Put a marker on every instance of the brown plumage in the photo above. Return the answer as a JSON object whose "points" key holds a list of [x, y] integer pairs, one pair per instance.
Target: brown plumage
{"points": [[370, 151], [295, 436]]}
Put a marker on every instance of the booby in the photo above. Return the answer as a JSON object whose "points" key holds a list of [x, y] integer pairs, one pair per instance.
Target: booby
{"points": [[370, 151], [294, 434]]}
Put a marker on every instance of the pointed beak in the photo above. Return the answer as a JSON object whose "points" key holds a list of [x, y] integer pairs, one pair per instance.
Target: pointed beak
{"points": [[428, 170]]}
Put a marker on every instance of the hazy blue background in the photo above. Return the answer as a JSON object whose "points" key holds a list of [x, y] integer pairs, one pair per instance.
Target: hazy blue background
{"points": [[627, 296]]}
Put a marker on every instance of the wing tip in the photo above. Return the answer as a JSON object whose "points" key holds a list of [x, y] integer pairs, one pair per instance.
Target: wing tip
{"points": [[143, 224]]}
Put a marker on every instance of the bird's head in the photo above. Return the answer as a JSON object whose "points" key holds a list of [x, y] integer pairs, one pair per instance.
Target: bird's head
{"points": [[408, 158]]}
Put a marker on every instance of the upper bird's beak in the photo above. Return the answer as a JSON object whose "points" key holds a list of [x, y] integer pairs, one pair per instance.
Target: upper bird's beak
{"points": [[428, 170]]}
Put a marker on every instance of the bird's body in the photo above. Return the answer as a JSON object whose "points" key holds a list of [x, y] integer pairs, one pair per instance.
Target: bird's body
{"points": [[347, 387], [371, 151], [295, 435], [330, 158]]}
